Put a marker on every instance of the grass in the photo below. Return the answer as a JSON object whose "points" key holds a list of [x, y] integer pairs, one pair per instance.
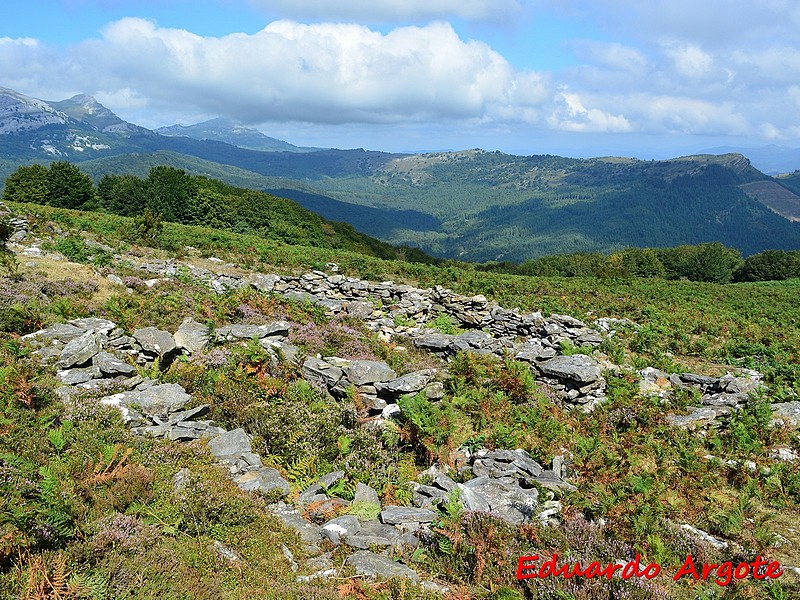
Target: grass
{"points": [[128, 534]]}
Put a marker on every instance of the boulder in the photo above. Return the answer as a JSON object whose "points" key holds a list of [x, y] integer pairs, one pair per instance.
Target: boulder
{"points": [[155, 341], [363, 372], [264, 480], [79, 351], [230, 444], [578, 367], [192, 336], [374, 565]]}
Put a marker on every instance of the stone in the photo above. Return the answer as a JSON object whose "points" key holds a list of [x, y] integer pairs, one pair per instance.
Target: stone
{"points": [[394, 515], [340, 528], [186, 415], [363, 372], [788, 412], [505, 498], [577, 367], [406, 384], [373, 565], [155, 341], [360, 310], [62, 332], [321, 371], [76, 376], [263, 283], [192, 336], [230, 444], [533, 351], [433, 341], [94, 324], [79, 351], [264, 480], [329, 480], [366, 494], [111, 366]]}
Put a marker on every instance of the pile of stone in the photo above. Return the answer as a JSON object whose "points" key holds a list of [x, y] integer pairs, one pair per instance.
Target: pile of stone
{"points": [[94, 356], [717, 396]]}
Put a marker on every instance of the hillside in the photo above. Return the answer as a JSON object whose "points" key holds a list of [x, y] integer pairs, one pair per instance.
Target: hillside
{"points": [[247, 418], [472, 205], [233, 133]]}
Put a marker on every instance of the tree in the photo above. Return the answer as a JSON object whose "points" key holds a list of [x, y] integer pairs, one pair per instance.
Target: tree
{"points": [[123, 194], [171, 193], [770, 265], [27, 184], [68, 186]]}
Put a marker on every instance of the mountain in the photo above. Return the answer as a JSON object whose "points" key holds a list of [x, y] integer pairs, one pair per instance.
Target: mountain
{"points": [[771, 159], [473, 205], [89, 111], [234, 133]]}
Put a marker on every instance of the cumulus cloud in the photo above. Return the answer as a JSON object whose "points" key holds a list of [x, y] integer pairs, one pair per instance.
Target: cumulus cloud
{"points": [[392, 11]]}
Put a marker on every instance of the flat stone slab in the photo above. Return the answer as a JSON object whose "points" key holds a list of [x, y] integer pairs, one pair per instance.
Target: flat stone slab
{"points": [[111, 366], [394, 515], [374, 566], [192, 336], [364, 372], [578, 367], [406, 384], [230, 444], [155, 341], [264, 480]]}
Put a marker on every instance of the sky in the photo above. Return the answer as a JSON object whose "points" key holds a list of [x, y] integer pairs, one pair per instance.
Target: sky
{"points": [[650, 79]]}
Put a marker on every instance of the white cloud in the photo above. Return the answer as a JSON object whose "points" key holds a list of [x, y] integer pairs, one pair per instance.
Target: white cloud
{"points": [[572, 115], [391, 11], [690, 60]]}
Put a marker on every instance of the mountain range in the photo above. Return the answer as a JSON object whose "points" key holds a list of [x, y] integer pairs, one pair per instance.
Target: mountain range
{"points": [[472, 205]]}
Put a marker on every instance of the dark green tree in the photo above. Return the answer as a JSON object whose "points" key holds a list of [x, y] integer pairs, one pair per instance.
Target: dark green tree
{"points": [[770, 265], [69, 187], [171, 193], [123, 194], [27, 184]]}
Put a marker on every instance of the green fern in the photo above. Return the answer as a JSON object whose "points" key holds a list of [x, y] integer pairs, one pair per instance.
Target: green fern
{"points": [[302, 470]]}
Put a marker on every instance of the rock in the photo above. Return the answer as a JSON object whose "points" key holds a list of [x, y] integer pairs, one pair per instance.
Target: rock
{"points": [[224, 552], [62, 332], [365, 494], [230, 444], [406, 384], [321, 371], [394, 515], [111, 366], [76, 376], [155, 341], [433, 341], [292, 519], [578, 367], [94, 324], [264, 480], [79, 351], [340, 528], [374, 565], [263, 283], [706, 537], [363, 372], [533, 351], [788, 412], [192, 336], [360, 310], [506, 499]]}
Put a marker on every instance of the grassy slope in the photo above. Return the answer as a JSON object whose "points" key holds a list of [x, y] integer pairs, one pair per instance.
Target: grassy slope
{"points": [[132, 536]]}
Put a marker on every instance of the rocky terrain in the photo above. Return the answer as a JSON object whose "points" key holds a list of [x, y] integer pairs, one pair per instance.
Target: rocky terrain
{"points": [[94, 356]]}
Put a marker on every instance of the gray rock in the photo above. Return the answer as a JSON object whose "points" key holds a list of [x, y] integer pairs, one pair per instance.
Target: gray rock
{"points": [[506, 498], [435, 391], [330, 479], [394, 515], [281, 351], [340, 528], [111, 366], [63, 332], [788, 412], [363, 372], [94, 324], [186, 415], [263, 283], [361, 310], [292, 519], [374, 565], [192, 336], [264, 480], [230, 444], [76, 376], [472, 499], [322, 372], [366, 494], [155, 341], [157, 400], [79, 351], [578, 367], [406, 384], [433, 341], [533, 351]]}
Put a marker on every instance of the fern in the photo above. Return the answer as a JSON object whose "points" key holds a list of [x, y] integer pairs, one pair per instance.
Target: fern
{"points": [[302, 470]]}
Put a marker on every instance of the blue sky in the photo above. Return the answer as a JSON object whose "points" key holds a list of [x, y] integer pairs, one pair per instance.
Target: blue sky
{"points": [[575, 77]]}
